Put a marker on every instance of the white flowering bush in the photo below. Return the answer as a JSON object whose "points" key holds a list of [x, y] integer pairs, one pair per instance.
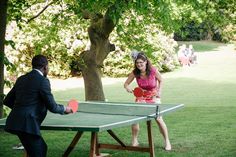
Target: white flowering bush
{"points": [[62, 37], [59, 40], [156, 44]]}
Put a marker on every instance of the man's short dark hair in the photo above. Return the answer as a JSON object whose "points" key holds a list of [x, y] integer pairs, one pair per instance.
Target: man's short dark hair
{"points": [[39, 61]]}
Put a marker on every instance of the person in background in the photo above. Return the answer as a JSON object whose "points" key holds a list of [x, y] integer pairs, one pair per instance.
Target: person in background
{"points": [[29, 100], [183, 56], [192, 55], [149, 79]]}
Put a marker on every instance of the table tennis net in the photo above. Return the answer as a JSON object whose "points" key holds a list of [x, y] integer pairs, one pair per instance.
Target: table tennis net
{"points": [[116, 108], [119, 109]]}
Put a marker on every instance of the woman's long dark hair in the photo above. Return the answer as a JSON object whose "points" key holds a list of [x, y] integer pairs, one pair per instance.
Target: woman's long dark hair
{"points": [[144, 58]]}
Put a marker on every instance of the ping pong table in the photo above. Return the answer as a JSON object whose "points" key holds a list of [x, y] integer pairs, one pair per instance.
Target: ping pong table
{"points": [[96, 117]]}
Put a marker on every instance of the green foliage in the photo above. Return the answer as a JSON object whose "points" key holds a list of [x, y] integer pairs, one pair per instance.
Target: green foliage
{"points": [[60, 31], [117, 64], [62, 36], [15, 8], [10, 68], [195, 32], [51, 34], [208, 20], [136, 31], [228, 34], [191, 32], [6, 111]]}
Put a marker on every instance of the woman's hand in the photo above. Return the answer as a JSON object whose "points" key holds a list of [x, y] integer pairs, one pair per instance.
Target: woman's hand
{"points": [[128, 81], [128, 89], [158, 95]]}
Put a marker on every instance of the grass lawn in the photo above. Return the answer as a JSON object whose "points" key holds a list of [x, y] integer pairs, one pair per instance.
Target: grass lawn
{"points": [[201, 46], [205, 127]]}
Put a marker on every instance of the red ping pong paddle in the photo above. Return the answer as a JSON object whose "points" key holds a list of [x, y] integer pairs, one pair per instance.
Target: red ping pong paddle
{"points": [[138, 92], [74, 105]]}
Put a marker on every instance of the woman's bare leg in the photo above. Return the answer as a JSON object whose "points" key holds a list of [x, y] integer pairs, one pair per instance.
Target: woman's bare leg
{"points": [[135, 131], [164, 131]]}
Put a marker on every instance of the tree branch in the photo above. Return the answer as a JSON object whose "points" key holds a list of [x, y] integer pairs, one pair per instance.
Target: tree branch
{"points": [[86, 14], [39, 13]]}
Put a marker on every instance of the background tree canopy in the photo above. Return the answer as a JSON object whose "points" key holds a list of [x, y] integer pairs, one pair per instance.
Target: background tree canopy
{"points": [[212, 20], [60, 33], [59, 30]]}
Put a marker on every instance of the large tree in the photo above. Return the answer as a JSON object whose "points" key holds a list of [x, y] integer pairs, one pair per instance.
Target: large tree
{"points": [[104, 17], [130, 18], [3, 21]]}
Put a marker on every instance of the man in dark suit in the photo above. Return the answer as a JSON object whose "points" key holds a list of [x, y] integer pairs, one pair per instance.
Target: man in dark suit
{"points": [[29, 99]]}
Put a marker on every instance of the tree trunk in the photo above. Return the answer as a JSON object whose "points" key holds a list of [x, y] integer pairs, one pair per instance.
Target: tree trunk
{"points": [[209, 35], [3, 21], [92, 82], [92, 60]]}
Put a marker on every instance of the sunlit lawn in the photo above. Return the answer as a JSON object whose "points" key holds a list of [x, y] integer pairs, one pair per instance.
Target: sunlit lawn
{"points": [[206, 127], [201, 46]]}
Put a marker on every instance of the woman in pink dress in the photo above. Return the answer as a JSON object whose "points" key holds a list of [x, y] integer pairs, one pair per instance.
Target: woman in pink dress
{"points": [[149, 79]]}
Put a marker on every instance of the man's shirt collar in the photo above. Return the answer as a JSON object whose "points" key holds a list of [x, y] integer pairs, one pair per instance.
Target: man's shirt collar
{"points": [[40, 72]]}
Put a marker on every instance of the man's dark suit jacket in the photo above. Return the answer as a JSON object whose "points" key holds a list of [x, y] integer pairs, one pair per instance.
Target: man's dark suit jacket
{"points": [[29, 99]]}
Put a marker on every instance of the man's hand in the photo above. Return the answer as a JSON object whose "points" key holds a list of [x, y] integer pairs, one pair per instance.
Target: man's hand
{"points": [[68, 110]]}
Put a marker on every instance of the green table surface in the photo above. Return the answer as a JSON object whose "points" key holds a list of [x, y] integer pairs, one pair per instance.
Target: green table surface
{"points": [[100, 116]]}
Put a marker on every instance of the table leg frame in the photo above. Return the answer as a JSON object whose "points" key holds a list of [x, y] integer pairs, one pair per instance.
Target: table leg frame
{"points": [[95, 146], [72, 144], [122, 146]]}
